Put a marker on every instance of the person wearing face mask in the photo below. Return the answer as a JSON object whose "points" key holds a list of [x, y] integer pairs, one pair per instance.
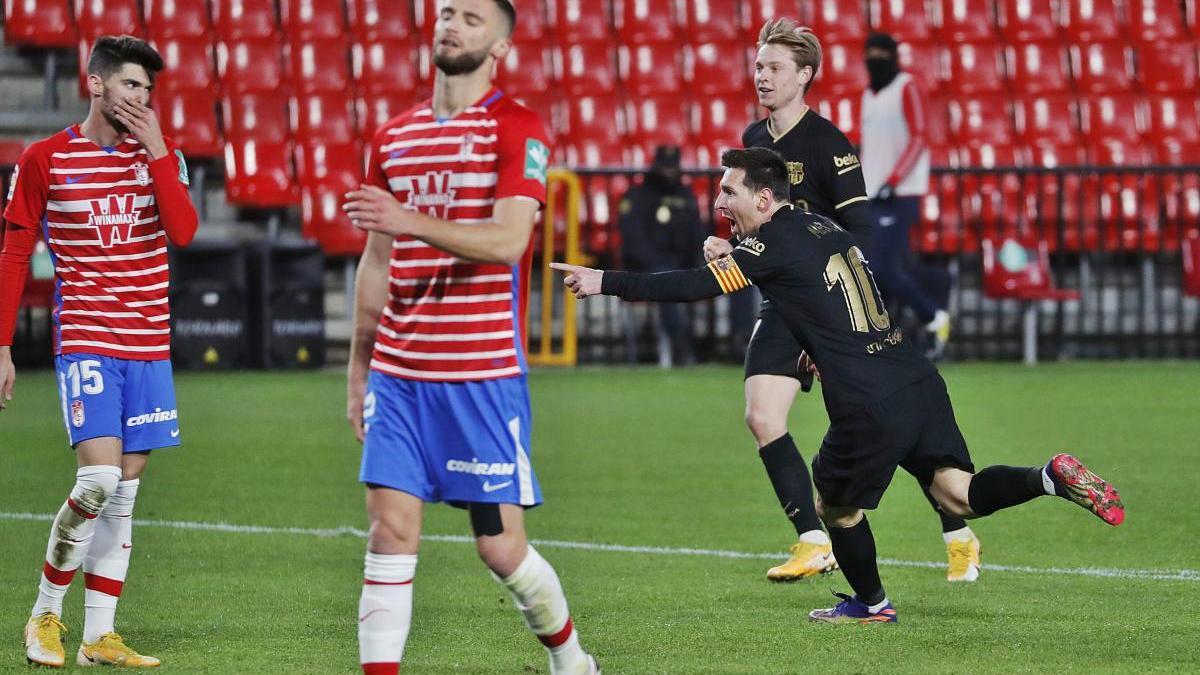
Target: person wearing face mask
{"points": [[659, 221], [896, 171]]}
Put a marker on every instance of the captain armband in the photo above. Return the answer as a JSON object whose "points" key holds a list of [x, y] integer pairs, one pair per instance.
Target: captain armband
{"points": [[729, 275]]}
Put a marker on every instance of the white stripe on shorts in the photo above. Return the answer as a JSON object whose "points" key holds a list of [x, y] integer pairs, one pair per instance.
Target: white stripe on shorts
{"points": [[524, 472]]}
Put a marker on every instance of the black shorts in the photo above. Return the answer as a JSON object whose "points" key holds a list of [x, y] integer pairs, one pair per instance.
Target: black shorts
{"points": [[912, 428], [773, 350]]}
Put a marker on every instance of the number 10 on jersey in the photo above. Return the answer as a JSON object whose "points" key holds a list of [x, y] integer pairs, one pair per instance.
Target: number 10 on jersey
{"points": [[863, 301]]}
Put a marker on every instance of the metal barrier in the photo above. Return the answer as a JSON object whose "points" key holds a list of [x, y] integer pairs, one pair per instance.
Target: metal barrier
{"points": [[1114, 234], [557, 181]]}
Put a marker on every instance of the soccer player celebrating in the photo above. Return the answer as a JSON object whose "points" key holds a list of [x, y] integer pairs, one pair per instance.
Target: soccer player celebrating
{"points": [[437, 385], [825, 178], [888, 406], [108, 195]]}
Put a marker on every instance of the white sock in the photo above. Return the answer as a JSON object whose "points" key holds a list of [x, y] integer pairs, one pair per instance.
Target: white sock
{"points": [[875, 609], [958, 535], [72, 532], [107, 561], [1048, 483], [538, 594], [385, 609], [817, 537]]}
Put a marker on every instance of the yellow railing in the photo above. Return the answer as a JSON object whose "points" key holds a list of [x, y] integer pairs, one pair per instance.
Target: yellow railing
{"points": [[551, 280]]}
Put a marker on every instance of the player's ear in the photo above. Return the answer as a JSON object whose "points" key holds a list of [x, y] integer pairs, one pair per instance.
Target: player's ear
{"points": [[95, 84], [500, 49]]}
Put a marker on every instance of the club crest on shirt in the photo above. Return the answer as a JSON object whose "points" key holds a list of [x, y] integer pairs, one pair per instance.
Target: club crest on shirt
{"points": [[431, 194], [114, 218], [468, 146], [141, 172], [795, 172], [77, 417]]}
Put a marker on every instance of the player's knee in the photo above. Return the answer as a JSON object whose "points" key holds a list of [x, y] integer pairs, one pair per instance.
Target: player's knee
{"points": [[840, 517], [94, 486], [954, 504], [764, 423], [390, 533], [502, 553]]}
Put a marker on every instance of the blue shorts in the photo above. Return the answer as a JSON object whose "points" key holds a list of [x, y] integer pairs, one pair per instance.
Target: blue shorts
{"points": [[455, 442], [127, 399]]}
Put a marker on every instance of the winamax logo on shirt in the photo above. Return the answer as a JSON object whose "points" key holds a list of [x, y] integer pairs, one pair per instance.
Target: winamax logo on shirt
{"points": [[537, 158], [113, 219], [431, 194]]}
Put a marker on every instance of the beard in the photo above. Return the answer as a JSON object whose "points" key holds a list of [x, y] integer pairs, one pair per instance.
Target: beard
{"points": [[107, 104], [466, 62]]}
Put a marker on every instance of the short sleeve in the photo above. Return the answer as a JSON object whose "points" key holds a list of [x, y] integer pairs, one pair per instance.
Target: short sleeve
{"points": [[373, 167], [29, 188], [522, 155], [844, 171]]}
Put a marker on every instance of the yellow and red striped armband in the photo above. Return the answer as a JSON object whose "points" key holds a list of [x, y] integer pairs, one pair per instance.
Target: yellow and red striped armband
{"points": [[728, 274]]}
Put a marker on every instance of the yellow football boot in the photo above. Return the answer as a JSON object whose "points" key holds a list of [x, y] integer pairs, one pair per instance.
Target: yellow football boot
{"points": [[43, 640], [111, 650], [964, 559], [808, 560]]}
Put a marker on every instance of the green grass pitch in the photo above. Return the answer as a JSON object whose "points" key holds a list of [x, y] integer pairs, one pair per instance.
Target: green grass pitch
{"points": [[639, 458]]}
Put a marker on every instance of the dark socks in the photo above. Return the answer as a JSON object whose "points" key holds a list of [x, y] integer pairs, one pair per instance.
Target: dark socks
{"points": [[999, 487], [949, 523], [793, 486], [854, 548]]}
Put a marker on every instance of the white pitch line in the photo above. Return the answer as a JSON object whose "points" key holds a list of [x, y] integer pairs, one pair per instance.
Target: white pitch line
{"points": [[1103, 572]]}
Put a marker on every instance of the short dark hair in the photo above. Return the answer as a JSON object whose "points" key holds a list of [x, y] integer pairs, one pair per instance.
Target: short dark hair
{"points": [[510, 13], [113, 51], [764, 168]]}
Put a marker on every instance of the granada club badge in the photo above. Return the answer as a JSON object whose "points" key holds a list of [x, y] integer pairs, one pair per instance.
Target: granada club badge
{"points": [[141, 171], [77, 413]]}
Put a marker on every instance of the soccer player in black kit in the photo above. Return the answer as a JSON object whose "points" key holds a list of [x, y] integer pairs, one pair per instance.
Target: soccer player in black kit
{"points": [[825, 178], [888, 406]]}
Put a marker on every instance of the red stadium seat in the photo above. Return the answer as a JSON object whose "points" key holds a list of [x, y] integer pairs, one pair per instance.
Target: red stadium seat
{"points": [[1102, 67], [640, 21], [937, 121], [991, 201], [1051, 117], [904, 20], [716, 68], [720, 120], [42, 23], [1126, 222], [372, 20], [526, 69], [259, 174], [322, 218], [1039, 67], [980, 119], [1191, 15], [1047, 153], [190, 119], [1115, 116], [924, 62], [594, 118], [375, 109], [1052, 202], [253, 64], [580, 20], [831, 20], [188, 64], [1091, 21], [586, 68], [713, 21], [328, 117], [1013, 270], [83, 51], [309, 19], [387, 66], [94, 18], [176, 19], [842, 70], [1026, 21], [321, 161], [1174, 118], [650, 68], [976, 68], [964, 21], [236, 19], [844, 111], [318, 65], [1191, 264], [425, 16], [590, 154], [262, 116], [1168, 67], [1155, 20], [531, 22], [656, 120]]}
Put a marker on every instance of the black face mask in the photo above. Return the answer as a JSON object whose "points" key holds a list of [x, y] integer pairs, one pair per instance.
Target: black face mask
{"points": [[882, 72]]}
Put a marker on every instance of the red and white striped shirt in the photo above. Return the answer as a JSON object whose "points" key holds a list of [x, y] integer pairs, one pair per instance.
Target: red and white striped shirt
{"points": [[449, 319], [97, 211]]}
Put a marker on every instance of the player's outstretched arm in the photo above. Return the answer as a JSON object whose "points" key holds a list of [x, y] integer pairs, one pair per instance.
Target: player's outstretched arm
{"points": [[501, 241], [370, 297], [676, 286]]}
